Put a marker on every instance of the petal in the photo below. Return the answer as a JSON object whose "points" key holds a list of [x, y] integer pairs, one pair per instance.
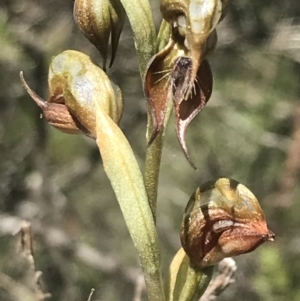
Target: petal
{"points": [[82, 84], [117, 16], [93, 19], [186, 110], [56, 113], [158, 87]]}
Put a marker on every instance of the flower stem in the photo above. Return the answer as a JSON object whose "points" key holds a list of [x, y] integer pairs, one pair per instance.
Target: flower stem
{"points": [[153, 160], [196, 283], [184, 281]]}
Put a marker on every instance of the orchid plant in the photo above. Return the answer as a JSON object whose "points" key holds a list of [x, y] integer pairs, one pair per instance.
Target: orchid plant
{"points": [[222, 218]]}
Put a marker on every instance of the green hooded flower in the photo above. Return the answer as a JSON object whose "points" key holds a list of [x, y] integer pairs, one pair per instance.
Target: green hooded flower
{"points": [[76, 86]]}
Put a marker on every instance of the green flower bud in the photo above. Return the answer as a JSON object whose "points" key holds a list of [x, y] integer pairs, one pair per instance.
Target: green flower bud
{"points": [[98, 20], [222, 219], [76, 85]]}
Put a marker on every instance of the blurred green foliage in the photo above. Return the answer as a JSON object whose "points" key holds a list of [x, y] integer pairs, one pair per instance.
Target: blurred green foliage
{"points": [[57, 181]]}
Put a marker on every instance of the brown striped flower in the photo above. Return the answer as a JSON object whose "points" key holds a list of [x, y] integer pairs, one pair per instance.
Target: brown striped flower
{"points": [[222, 219]]}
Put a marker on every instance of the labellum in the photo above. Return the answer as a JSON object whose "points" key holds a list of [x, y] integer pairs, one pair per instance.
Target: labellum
{"points": [[76, 84], [222, 219]]}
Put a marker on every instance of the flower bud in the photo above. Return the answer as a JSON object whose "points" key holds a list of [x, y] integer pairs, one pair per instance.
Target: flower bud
{"points": [[222, 219], [75, 86], [99, 20]]}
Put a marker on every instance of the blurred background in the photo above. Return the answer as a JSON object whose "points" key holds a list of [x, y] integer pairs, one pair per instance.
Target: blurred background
{"points": [[249, 131]]}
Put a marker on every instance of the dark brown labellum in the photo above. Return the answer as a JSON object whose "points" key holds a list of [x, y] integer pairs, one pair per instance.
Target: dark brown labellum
{"points": [[181, 78]]}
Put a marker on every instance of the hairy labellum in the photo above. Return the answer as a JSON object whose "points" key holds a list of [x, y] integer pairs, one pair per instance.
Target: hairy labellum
{"points": [[222, 219], [181, 78], [158, 84]]}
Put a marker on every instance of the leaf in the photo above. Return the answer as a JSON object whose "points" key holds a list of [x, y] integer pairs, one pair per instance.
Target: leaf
{"points": [[126, 179], [184, 282], [174, 268], [158, 87], [187, 109]]}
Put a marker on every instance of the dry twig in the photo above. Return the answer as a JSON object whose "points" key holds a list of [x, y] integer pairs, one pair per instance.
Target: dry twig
{"points": [[225, 277], [27, 250], [139, 288], [91, 294], [16, 290], [56, 238], [287, 184]]}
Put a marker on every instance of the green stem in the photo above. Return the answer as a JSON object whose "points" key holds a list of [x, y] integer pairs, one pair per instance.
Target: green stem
{"points": [[196, 283], [154, 152], [184, 282], [152, 167], [153, 160]]}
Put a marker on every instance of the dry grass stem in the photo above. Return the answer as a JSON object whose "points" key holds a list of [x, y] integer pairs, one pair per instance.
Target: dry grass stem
{"points": [[227, 269], [139, 288], [288, 181], [27, 250], [91, 294]]}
